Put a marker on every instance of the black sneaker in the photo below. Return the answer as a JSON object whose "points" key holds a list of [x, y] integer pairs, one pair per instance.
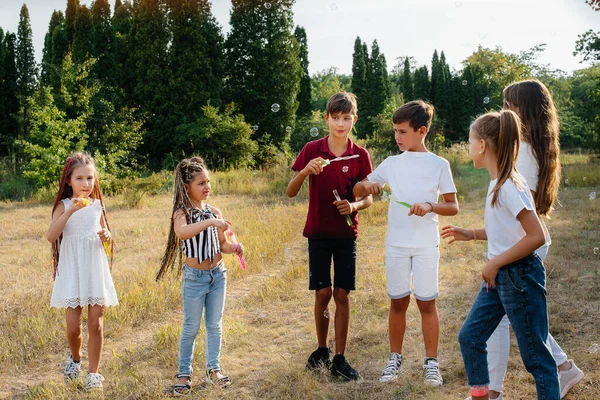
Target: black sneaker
{"points": [[319, 358], [341, 369]]}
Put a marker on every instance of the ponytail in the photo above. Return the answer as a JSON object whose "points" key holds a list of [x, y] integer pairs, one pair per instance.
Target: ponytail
{"points": [[502, 133]]}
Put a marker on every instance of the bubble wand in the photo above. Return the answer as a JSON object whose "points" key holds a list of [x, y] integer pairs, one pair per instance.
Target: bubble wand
{"points": [[237, 245], [337, 197], [327, 162]]}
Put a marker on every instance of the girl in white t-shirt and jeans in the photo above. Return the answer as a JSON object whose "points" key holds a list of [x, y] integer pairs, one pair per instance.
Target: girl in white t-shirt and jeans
{"points": [[514, 277], [538, 162]]}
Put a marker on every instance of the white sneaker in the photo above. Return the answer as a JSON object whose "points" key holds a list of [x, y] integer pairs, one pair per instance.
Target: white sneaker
{"points": [[72, 370], [93, 381], [569, 378], [432, 372], [393, 369]]}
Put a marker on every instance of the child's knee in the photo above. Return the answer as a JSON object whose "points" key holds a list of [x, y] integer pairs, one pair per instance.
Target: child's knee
{"points": [[323, 295], [400, 305], [427, 307], [340, 294], [95, 325], [74, 330]]}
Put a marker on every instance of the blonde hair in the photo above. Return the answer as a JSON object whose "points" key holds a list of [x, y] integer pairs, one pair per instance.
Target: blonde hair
{"points": [[540, 129], [184, 174], [501, 131]]}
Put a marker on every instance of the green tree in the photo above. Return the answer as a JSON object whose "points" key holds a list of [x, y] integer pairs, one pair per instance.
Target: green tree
{"points": [[224, 140], [70, 18], [435, 77], [326, 83], [124, 71], [103, 39], [195, 58], [304, 95], [83, 36], [9, 104], [263, 67], [407, 85], [48, 53], [421, 83], [148, 43], [359, 83], [26, 67], [378, 92]]}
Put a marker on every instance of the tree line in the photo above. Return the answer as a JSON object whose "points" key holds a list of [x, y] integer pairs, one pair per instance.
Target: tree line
{"points": [[142, 84]]}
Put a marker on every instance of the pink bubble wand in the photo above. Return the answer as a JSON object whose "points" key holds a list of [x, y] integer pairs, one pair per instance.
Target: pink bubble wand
{"points": [[237, 245]]}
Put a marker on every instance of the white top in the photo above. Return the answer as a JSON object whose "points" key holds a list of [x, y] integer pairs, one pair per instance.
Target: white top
{"points": [[413, 177], [502, 227], [528, 167], [83, 275]]}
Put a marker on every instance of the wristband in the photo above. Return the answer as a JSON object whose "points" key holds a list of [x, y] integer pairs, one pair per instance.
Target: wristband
{"points": [[479, 391], [430, 205], [474, 236]]}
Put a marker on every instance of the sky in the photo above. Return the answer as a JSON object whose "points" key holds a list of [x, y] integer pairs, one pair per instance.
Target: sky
{"points": [[401, 27]]}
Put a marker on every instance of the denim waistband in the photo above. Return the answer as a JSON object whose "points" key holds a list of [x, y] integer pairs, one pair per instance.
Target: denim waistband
{"points": [[217, 268], [525, 261]]}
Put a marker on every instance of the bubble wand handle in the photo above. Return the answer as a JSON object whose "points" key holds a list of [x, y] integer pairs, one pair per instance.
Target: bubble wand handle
{"points": [[235, 242], [337, 197]]}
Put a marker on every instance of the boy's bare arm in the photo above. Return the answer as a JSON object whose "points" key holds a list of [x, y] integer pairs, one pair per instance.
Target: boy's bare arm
{"points": [[363, 202], [365, 188], [448, 208], [314, 166]]}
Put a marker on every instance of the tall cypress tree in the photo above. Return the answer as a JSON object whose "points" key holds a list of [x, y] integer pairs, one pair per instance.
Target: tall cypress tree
{"points": [[125, 72], [304, 95], [70, 17], [103, 38], [407, 82], [263, 65], [9, 98], [56, 22], [83, 41], [362, 90], [435, 77], [26, 67], [193, 82], [421, 84], [359, 69], [442, 90], [378, 91], [149, 39]]}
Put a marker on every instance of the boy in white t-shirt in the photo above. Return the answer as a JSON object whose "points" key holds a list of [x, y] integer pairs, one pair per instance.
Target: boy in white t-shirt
{"points": [[416, 178]]}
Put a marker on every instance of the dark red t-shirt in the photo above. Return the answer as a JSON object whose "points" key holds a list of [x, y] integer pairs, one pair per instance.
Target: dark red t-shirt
{"points": [[323, 219]]}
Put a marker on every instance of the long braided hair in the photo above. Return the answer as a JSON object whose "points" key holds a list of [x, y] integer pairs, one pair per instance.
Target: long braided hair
{"points": [[184, 174], [65, 191]]}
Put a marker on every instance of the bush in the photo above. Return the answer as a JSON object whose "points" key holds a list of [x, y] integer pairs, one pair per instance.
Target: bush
{"points": [[137, 188]]}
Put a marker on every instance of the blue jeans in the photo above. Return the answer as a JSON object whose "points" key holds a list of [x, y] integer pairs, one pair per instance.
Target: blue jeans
{"points": [[202, 289], [520, 293]]}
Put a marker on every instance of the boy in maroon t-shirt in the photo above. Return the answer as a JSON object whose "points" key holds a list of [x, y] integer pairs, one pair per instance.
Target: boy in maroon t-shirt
{"points": [[332, 163]]}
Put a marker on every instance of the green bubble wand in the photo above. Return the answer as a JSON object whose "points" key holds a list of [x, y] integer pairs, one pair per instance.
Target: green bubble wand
{"points": [[385, 194], [337, 197]]}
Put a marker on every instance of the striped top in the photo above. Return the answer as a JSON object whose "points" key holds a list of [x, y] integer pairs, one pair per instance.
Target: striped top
{"points": [[205, 244]]}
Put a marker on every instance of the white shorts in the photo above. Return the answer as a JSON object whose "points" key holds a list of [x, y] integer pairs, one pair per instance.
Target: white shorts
{"points": [[420, 262]]}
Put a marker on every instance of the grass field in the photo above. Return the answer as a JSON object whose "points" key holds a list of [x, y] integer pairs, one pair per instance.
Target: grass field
{"points": [[268, 323]]}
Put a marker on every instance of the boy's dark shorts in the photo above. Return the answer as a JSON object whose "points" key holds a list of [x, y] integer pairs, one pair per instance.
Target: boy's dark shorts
{"points": [[320, 252]]}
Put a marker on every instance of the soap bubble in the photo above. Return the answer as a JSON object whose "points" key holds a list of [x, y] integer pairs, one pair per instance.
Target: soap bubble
{"points": [[250, 158], [288, 129], [333, 6], [326, 313], [314, 132], [464, 82], [267, 5], [592, 196], [274, 107], [584, 178], [567, 181], [458, 3], [486, 100], [594, 348], [255, 128], [596, 251]]}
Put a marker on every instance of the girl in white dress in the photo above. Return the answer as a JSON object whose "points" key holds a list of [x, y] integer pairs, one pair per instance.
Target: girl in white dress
{"points": [[81, 242]]}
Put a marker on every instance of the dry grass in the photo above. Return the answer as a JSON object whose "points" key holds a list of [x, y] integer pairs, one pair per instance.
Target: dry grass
{"points": [[268, 324]]}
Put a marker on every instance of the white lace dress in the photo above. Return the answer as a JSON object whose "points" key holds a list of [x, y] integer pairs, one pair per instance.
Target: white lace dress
{"points": [[83, 275]]}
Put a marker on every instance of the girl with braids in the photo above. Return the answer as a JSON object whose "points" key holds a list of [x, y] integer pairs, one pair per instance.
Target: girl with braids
{"points": [[514, 277], [81, 239], [198, 231]]}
